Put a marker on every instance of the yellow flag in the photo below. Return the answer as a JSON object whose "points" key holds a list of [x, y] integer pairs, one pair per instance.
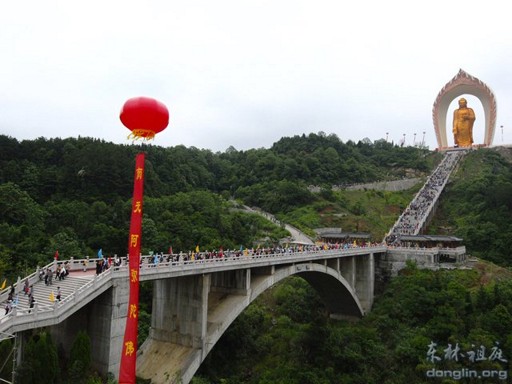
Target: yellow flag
{"points": [[197, 248], [4, 284], [52, 297]]}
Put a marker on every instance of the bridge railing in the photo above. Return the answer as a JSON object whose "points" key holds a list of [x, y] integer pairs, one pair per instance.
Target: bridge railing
{"points": [[453, 251], [147, 267], [429, 251], [40, 312]]}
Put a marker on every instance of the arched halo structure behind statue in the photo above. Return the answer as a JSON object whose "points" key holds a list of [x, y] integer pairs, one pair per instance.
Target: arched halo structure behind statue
{"points": [[464, 83]]}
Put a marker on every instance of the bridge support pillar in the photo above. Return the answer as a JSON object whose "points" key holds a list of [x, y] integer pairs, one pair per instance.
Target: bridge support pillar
{"points": [[206, 283], [104, 320], [180, 310], [365, 271], [348, 269], [114, 310], [235, 282]]}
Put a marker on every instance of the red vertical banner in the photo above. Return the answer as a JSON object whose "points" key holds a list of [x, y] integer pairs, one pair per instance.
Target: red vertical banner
{"points": [[129, 351]]}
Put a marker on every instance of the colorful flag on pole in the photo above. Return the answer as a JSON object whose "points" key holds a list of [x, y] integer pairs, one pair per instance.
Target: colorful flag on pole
{"points": [[4, 284], [197, 248], [170, 250], [56, 257], [100, 253]]}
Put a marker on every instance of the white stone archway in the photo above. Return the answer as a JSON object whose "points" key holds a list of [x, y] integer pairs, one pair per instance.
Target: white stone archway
{"points": [[464, 83]]}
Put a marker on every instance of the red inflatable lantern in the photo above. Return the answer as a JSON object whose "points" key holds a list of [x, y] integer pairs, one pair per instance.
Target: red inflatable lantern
{"points": [[145, 117]]}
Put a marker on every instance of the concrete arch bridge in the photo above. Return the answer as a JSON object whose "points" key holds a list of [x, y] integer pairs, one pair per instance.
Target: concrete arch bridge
{"points": [[194, 302]]}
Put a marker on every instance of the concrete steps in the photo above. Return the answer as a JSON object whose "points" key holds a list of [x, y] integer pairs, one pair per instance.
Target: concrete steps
{"points": [[42, 292]]}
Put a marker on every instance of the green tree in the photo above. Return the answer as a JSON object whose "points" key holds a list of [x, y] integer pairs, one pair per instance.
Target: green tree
{"points": [[80, 357], [40, 362], [6, 354]]}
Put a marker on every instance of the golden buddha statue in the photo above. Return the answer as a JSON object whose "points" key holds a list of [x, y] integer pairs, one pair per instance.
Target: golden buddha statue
{"points": [[463, 119]]}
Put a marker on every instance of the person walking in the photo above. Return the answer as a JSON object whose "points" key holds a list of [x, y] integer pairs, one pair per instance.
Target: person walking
{"points": [[47, 276], [26, 287], [32, 302]]}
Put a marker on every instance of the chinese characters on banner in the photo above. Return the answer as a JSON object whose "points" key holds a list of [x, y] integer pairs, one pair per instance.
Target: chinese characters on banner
{"points": [[128, 354]]}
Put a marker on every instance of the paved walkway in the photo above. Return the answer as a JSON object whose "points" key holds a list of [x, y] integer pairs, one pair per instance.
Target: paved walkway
{"points": [[296, 235]]}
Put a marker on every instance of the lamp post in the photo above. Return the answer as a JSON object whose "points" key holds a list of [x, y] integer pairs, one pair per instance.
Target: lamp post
{"points": [[403, 142], [423, 140], [501, 134], [387, 133], [414, 140]]}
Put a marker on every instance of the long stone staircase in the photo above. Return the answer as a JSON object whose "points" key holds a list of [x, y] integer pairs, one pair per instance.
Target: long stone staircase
{"points": [[417, 214], [75, 289]]}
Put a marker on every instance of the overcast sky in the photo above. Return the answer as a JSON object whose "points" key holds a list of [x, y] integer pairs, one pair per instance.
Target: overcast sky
{"points": [[245, 73]]}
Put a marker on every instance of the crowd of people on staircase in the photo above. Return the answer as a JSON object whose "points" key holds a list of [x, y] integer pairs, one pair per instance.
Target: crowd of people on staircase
{"points": [[416, 214], [45, 274]]}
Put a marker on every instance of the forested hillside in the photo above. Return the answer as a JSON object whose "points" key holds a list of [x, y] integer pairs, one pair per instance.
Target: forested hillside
{"points": [[73, 195]]}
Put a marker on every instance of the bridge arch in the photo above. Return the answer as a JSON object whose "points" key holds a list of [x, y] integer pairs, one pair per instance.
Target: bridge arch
{"points": [[336, 292]]}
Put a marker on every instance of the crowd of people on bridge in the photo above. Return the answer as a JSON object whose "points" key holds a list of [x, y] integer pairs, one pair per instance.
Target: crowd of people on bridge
{"points": [[416, 214], [221, 254]]}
